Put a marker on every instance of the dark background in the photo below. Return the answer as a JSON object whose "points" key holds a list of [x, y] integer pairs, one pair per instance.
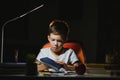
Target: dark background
{"points": [[95, 23]]}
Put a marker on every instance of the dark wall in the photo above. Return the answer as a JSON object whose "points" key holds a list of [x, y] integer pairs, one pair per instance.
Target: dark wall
{"points": [[16, 31], [29, 33], [89, 23], [108, 28]]}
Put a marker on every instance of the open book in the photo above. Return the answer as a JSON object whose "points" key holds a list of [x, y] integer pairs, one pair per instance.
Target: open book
{"points": [[51, 63]]}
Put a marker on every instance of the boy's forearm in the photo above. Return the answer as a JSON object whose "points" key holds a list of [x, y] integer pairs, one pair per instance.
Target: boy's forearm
{"points": [[70, 67]]}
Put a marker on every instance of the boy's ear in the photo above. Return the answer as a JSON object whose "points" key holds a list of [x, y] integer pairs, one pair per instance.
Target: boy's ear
{"points": [[48, 37]]}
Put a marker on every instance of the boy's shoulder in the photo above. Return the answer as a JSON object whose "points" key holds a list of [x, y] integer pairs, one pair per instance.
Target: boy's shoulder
{"points": [[44, 49]]}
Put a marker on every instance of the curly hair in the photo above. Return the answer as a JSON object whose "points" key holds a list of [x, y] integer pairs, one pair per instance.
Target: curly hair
{"points": [[59, 27]]}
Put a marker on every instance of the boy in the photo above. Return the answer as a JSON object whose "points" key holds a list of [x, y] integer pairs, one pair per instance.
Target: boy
{"points": [[58, 34]]}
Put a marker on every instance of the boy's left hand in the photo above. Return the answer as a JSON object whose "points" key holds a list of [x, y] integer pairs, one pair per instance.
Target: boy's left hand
{"points": [[62, 63]]}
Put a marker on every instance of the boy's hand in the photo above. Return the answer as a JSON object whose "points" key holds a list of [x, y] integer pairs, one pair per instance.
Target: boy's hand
{"points": [[62, 63]]}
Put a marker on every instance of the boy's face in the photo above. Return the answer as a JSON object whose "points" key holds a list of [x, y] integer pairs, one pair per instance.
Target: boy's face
{"points": [[56, 42]]}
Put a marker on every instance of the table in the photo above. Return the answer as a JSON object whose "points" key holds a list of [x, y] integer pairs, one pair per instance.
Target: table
{"points": [[93, 72], [56, 77]]}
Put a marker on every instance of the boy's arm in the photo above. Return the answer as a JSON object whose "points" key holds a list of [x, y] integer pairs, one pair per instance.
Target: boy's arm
{"points": [[68, 67]]}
